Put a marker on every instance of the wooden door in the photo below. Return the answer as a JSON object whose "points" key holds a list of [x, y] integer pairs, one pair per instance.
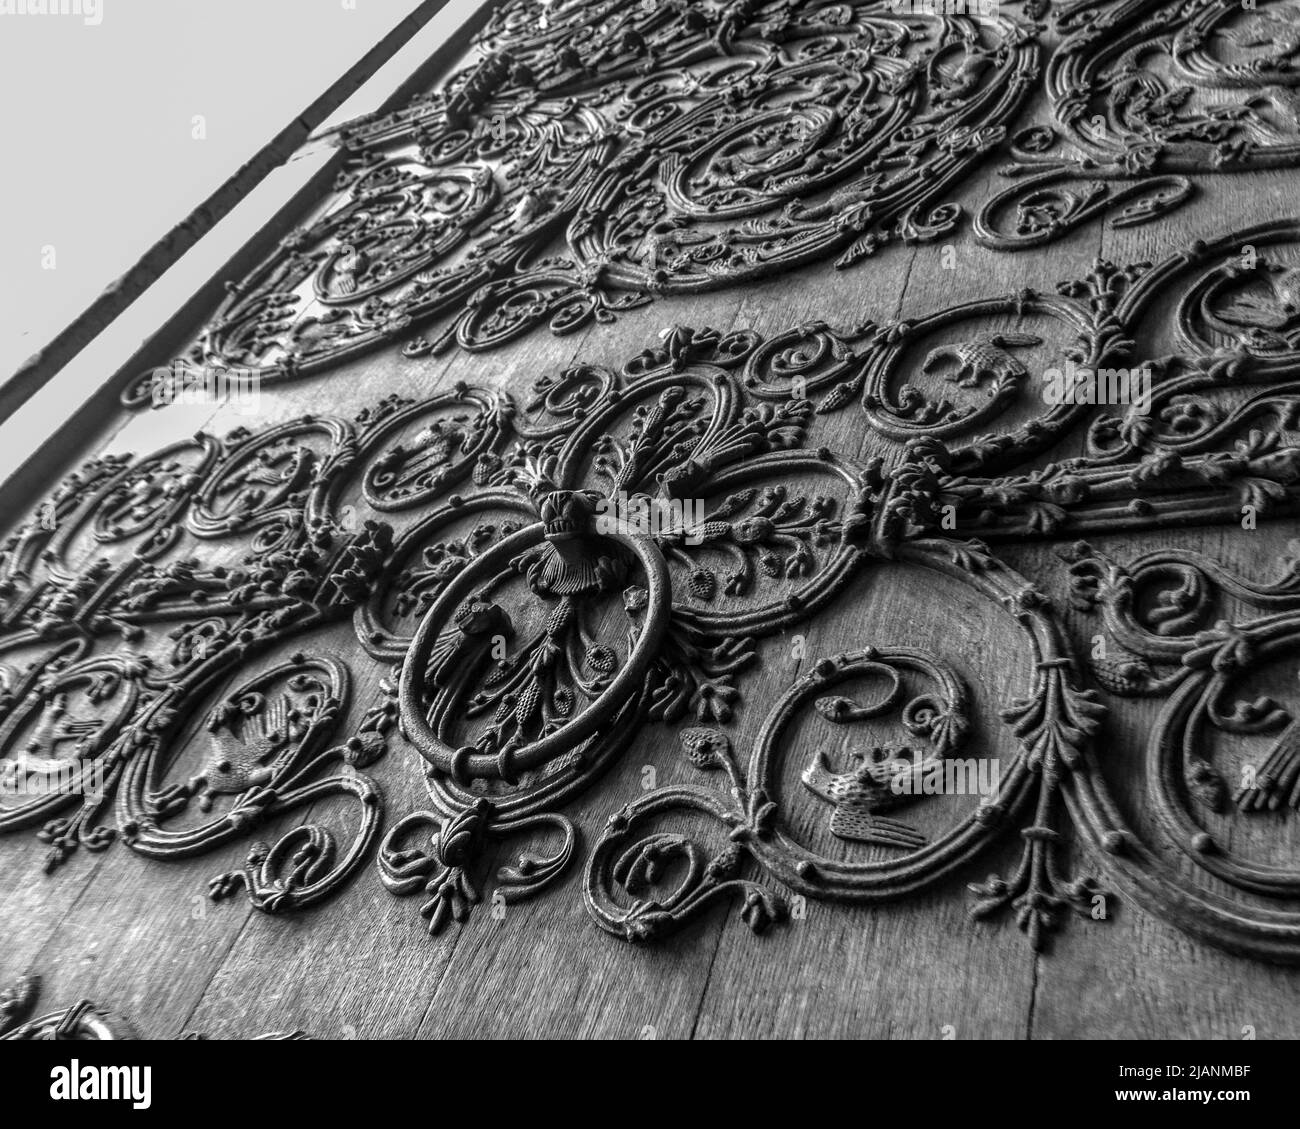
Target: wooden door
{"points": [[724, 519]]}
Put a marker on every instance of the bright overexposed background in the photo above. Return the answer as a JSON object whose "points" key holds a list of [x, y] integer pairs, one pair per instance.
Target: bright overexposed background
{"points": [[97, 130]]}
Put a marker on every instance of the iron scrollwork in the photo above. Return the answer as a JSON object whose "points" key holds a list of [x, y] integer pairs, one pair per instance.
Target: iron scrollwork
{"points": [[84, 1021], [594, 156], [97, 699], [535, 622], [936, 508], [532, 620], [1135, 121]]}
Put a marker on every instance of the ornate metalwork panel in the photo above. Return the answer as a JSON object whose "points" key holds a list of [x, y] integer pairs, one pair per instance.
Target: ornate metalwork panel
{"points": [[715, 602]]}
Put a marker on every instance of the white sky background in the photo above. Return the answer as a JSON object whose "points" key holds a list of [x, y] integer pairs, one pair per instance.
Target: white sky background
{"points": [[96, 130]]}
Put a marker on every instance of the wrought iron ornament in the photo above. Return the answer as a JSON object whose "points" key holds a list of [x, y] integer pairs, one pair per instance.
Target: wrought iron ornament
{"points": [[541, 581], [1149, 98], [610, 556], [595, 155], [84, 1021]]}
